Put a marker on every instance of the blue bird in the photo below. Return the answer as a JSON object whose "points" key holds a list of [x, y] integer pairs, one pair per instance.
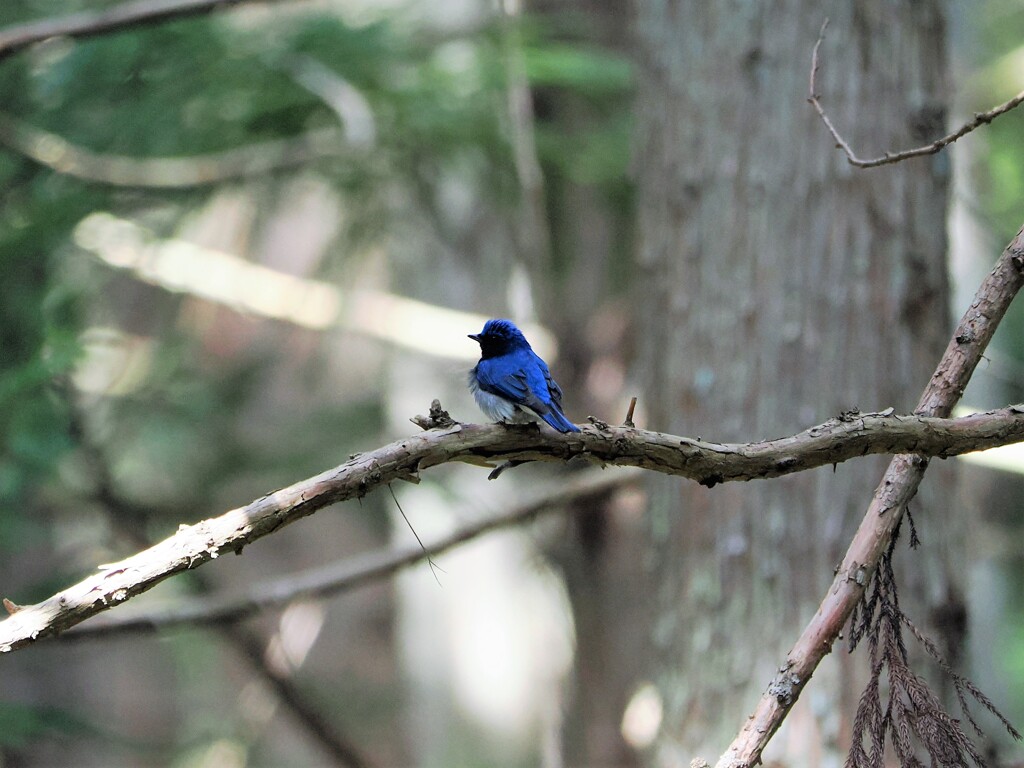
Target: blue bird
{"points": [[511, 384]]}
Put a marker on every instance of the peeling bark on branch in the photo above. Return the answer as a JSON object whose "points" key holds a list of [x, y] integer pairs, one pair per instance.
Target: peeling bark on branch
{"points": [[352, 573], [835, 441]]}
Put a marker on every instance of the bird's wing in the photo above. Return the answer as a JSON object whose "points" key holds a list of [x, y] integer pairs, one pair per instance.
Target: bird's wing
{"points": [[524, 379], [542, 384], [515, 381], [554, 390], [549, 394]]}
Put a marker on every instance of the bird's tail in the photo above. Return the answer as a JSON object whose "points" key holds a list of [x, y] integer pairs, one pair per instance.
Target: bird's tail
{"points": [[556, 419]]}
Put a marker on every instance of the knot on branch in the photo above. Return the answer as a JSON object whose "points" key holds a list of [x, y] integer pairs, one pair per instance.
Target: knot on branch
{"points": [[438, 418], [1017, 255], [784, 687], [855, 414]]}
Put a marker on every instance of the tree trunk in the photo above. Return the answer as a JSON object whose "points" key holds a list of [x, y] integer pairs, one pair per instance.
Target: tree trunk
{"points": [[778, 286]]}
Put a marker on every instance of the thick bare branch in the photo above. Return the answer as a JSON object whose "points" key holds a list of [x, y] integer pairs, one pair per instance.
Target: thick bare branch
{"points": [[898, 487], [979, 119], [115, 19], [840, 439]]}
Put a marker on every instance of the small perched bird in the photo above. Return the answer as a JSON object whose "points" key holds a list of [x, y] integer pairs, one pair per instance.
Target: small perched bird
{"points": [[511, 383]]}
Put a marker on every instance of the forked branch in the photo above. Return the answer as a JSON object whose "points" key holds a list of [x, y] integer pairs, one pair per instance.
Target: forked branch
{"points": [[979, 119]]}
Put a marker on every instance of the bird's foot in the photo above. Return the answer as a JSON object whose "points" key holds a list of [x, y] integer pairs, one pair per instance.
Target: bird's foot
{"points": [[496, 472]]}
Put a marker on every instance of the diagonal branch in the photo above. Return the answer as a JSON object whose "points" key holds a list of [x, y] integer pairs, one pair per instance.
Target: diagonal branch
{"points": [[898, 487], [345, 575], [838, 440], [312, 718], [980, 119], [130, 519], [92, 23]]}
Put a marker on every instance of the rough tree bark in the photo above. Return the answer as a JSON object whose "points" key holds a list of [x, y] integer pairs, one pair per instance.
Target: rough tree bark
{"points": [[779, 285]]}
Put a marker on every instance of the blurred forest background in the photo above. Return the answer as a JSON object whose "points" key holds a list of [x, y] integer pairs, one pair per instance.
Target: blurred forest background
{"points": [[239, 247]]}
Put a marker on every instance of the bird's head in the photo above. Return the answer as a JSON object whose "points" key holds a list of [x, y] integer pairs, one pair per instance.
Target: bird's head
{"points": [[499, 337]]}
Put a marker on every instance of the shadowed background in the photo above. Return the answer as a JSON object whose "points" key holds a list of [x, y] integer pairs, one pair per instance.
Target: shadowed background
{"points": [[240, 247]]}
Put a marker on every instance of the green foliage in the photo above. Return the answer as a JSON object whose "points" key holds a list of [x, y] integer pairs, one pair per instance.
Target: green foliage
{"points": [[177, 89], [1006, 192], [596, 156], [205, 85], [202, 429], [37, 336], [584, 70], [21, 724], [995, 34]]}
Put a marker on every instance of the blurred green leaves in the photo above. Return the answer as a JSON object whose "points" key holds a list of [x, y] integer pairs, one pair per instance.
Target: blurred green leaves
{"points": [[204, 85], [208, 406], [587, 71], [998, 177], [37, 335], [21, 724]]}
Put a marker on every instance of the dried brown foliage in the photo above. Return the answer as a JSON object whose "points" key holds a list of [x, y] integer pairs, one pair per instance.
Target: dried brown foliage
{"points": [[908, 713]]}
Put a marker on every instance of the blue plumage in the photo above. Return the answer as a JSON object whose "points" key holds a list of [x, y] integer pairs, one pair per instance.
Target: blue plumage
{"points": [[511, 384]]}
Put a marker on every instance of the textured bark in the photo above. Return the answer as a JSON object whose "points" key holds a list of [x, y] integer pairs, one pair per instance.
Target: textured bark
{"points": [[779, 285], [885, 512]]}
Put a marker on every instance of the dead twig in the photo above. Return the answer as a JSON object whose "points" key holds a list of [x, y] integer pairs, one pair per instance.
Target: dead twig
{"points": [[628, 422], [979, 119]]}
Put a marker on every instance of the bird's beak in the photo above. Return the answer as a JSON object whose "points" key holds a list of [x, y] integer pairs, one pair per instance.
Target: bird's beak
{"points": [[475, 337]]}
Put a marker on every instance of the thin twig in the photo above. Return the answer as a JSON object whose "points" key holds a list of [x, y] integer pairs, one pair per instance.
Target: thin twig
{"points": [[311, 718], [346, 575], [898, 487], [338, 94], [979, 119], [434, 567], [629, 413], [840, 439]]}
